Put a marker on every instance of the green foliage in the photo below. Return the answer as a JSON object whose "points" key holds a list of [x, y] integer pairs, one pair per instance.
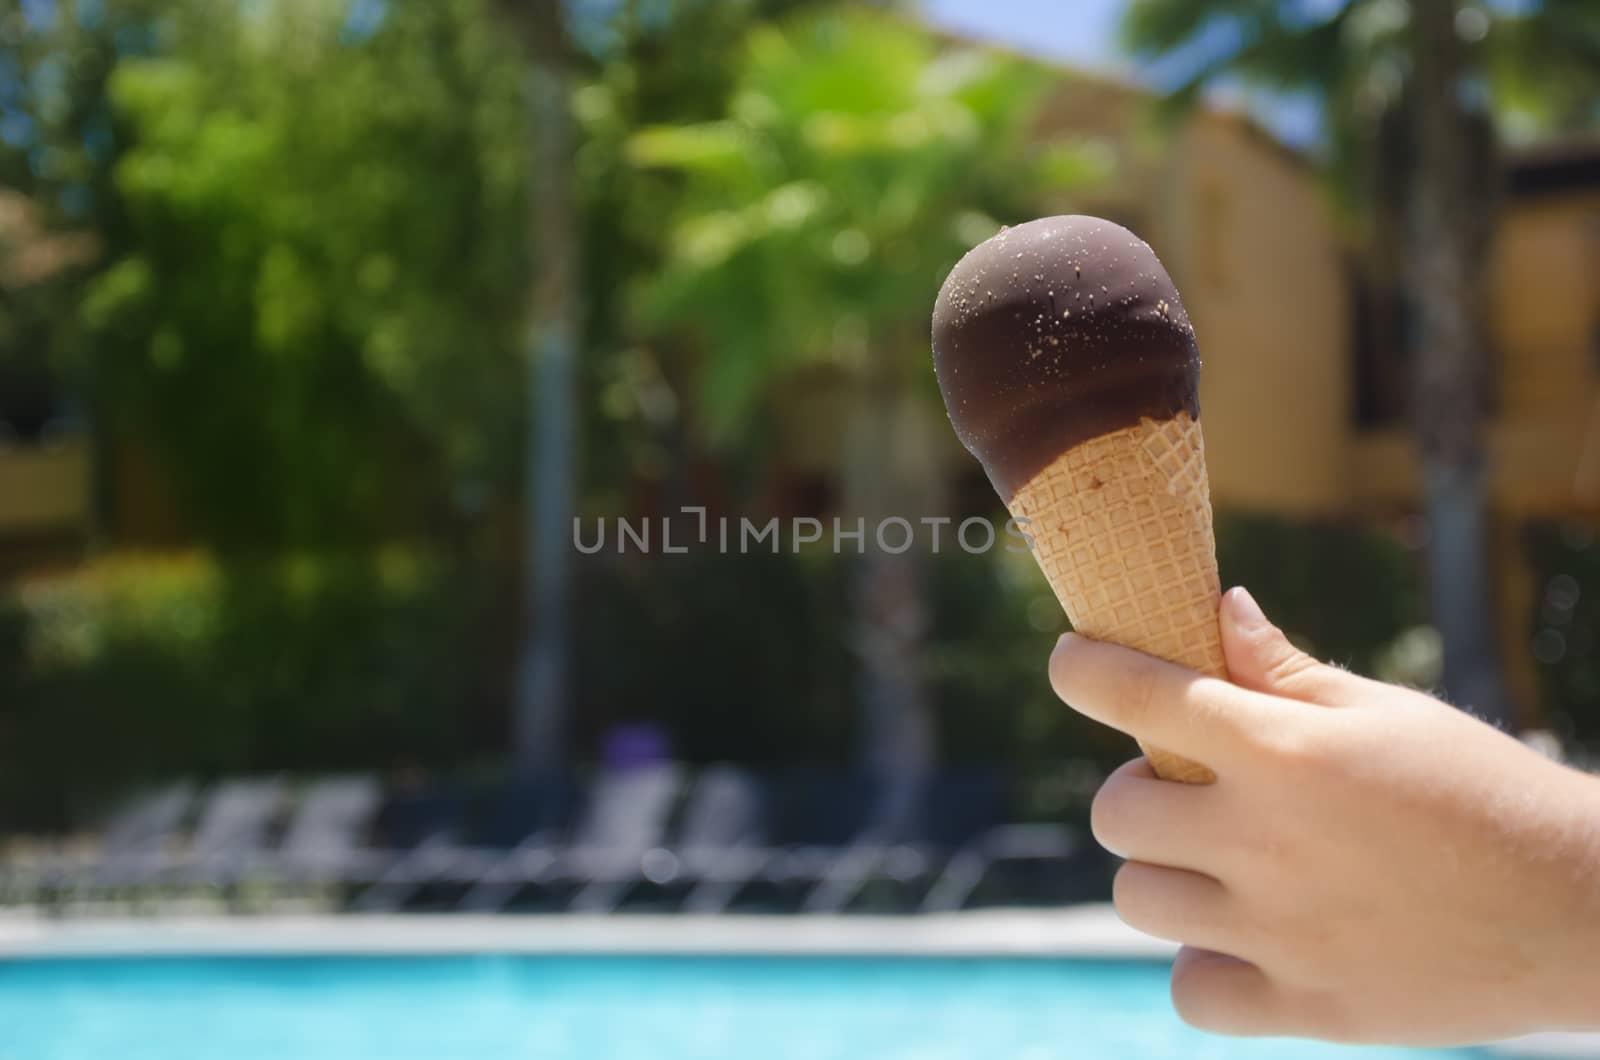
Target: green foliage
{"points": [[142, 667], [1545, 68], [748, 657], [146, 667], [1353, 53], [995, 622], [1540, 61], [323, 270], [1270, 42], [739, 656], [856, 158], [315, 252], [671, 68], [1342, 592], [1565, 627]]}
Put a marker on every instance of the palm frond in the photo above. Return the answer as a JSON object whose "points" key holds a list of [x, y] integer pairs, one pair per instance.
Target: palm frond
{"points": [[1259, 41], [1544, 65]]}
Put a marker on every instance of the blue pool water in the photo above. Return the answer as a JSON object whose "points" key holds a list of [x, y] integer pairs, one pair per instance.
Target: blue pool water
{"points": [[606, 1008]]}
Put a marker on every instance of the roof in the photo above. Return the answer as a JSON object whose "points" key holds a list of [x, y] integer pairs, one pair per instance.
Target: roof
{"points": [[1543, 168], [1124, 87], [1554, 168]]}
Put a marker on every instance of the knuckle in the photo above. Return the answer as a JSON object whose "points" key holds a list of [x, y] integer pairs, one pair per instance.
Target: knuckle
{"points": [[1269, 855], [1209, 705], [1140, 693], [1292, 668], [1304, 942], [1318, 754], [1290, 747]]}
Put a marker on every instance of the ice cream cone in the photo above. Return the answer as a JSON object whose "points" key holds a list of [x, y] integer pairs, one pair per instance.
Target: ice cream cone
{"points": [[1121, 526], [1070, 369]]}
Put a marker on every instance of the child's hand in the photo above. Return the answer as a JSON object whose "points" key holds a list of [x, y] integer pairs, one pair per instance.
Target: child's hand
{"points": [[1376, 865]]}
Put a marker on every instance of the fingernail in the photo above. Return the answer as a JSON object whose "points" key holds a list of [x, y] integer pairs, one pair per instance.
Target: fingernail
{"points": [[1244, 611]]}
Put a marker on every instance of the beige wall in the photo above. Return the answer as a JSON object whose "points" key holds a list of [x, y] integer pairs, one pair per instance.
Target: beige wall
{"points": [[1249, 237], [1544, 318], [1544, 280], [44, 488], [1544, 325], [1250, 242], [1242, 225]]}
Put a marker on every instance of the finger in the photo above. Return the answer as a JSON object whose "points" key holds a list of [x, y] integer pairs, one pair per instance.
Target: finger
{"points": [[1224, 995], [1175, 904], [1155, 701], [1139, 816], [1262, 659]]}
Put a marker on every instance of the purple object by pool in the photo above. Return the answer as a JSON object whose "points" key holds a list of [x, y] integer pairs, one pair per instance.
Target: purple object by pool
{"points": [[631, 746]]}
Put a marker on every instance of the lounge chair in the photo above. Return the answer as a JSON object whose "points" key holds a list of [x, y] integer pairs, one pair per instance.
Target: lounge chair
{"points": [[231, 836], [135, 844], [1036, 844], [823, 823], [625, 819], [518, 846], [622, 820], [716, 846], [950, 811], [720, 844], [417, 831], [325, 841]]}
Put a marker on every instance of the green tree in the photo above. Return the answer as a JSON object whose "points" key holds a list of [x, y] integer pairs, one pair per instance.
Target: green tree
{"points": [[855, 160], [317, 219], [542, 687], [665, 62], [312, 313], [1409, 89], [611, 71]]}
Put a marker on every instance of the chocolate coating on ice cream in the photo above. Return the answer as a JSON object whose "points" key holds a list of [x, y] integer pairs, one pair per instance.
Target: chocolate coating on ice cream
{"points": [[1055, 332]]}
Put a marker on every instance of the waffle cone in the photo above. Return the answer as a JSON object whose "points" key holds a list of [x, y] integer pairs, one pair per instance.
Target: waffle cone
{"points": [[1121, 527]]}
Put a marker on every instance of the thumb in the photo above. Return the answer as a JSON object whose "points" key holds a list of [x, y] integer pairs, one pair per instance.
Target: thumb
{"points": [[1261, 658]]}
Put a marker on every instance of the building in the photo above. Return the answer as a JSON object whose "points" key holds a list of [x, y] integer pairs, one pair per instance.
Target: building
{"points": [[44, 453], [1302, 390]]}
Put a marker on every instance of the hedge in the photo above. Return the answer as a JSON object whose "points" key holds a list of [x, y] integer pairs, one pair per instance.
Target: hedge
{"points": [[139, 667]]}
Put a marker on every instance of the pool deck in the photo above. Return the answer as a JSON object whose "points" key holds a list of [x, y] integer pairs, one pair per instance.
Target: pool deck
{"points": [[1088, 931], [1082, 931]]}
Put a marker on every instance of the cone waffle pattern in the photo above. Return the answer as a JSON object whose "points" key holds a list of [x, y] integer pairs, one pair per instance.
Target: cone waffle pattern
{"points": [[1121, 527]]}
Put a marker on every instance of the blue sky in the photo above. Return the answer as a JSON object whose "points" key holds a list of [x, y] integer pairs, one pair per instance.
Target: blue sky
{"points": [[1077, 32], [1083, 33]]}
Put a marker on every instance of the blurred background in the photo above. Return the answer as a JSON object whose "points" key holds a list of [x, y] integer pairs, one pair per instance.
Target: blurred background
{"points": [[323, 324]]}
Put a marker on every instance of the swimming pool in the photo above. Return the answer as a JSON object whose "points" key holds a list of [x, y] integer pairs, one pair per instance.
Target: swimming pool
{"points": [[507, 1007]]}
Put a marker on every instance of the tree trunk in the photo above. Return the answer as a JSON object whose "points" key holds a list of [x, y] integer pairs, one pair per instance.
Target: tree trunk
{"points": [[543, 677], [1447, 211], [888, 475]]}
